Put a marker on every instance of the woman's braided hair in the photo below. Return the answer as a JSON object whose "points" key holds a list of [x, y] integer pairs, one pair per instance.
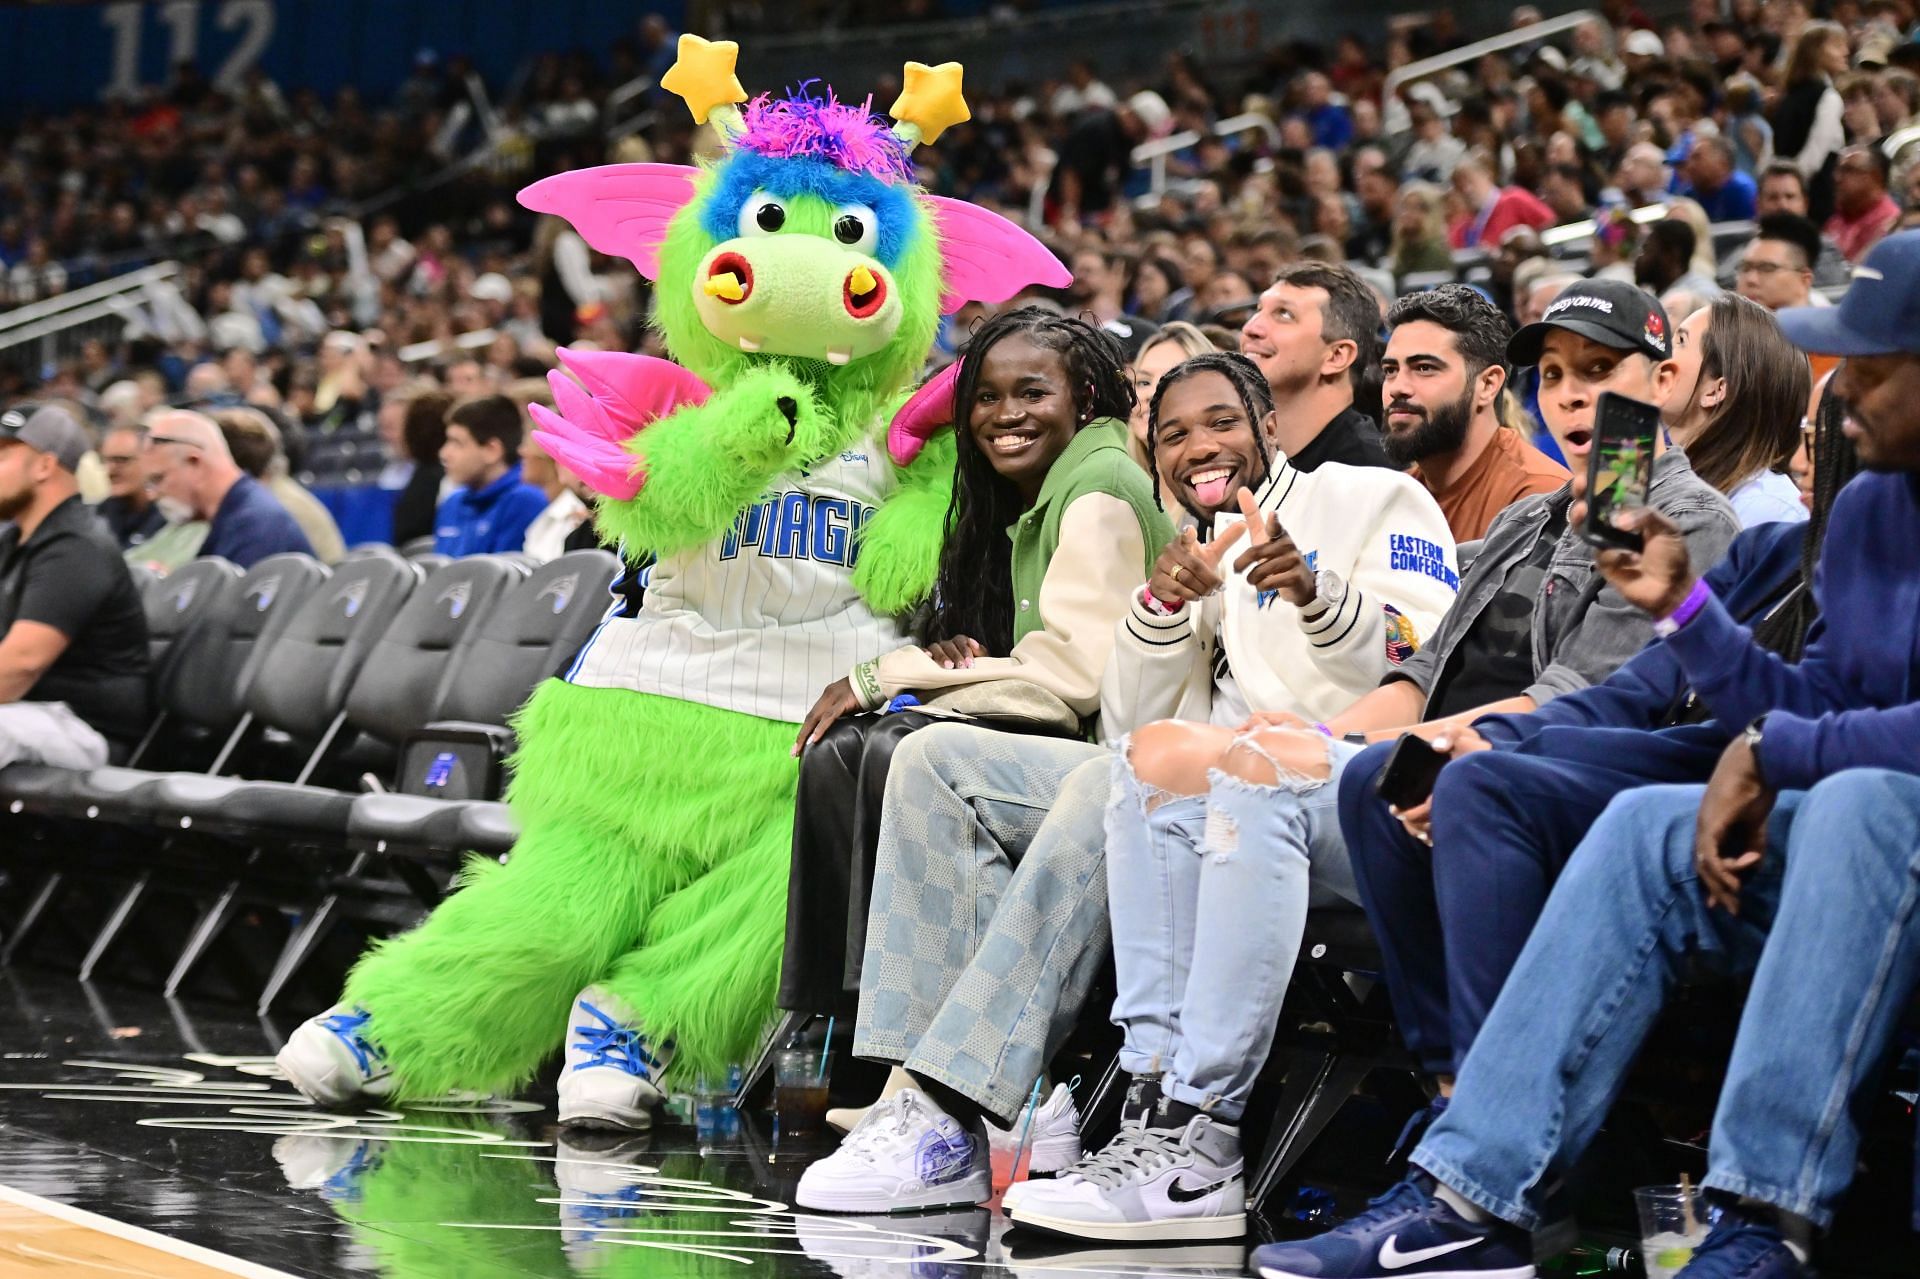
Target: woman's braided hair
{"points": [[973, 592], [1251, 384]]}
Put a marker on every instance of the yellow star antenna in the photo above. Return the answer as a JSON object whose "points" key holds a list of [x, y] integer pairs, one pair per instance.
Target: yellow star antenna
{"points": [[702, 76], [929, 104]]}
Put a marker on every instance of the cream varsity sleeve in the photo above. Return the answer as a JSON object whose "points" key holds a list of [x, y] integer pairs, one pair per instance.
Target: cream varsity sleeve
{"points": [[1095, 570], [1158, 669], [1402, 580]]}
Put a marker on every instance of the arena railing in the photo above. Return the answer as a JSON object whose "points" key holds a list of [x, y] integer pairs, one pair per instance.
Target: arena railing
{"points": [[1152, 156], [41, 332], [1533, 33]]}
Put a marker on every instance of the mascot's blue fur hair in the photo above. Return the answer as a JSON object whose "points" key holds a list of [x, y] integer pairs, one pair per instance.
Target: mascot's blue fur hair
{"points": [[656, 830]]}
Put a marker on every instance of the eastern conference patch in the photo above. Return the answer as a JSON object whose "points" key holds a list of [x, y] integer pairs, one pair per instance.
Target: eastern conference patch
{"points": [[1417, 555]]}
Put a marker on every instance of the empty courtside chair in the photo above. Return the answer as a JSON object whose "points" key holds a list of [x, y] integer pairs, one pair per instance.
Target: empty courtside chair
{"points": [[300, 690], [395, 688], [533, 634]]}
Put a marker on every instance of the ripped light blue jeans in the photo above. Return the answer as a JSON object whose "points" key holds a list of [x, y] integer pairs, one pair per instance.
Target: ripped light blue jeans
{"points": [[1208, 896]]}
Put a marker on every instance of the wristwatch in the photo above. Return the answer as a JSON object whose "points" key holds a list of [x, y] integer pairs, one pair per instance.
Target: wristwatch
{"points": [[1329, 589], [1752, 735]]}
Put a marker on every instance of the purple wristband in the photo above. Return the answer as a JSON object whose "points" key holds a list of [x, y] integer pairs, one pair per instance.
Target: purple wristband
{"points": [[1696, 600], [1322, 728]]}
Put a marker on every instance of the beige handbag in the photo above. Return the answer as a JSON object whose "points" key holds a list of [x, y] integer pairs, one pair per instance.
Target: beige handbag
{"points": [[1005, 701]]}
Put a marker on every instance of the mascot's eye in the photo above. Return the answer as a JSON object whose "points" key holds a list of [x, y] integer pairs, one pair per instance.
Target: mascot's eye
{"points": [[762, 215], [856, 226]]}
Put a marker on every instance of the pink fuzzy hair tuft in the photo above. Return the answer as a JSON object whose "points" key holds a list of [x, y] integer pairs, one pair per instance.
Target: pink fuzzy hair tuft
{"points": [[804, 125]]}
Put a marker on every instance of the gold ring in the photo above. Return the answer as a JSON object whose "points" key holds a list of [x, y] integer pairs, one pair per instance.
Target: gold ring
{"points": [[1176, 571]]}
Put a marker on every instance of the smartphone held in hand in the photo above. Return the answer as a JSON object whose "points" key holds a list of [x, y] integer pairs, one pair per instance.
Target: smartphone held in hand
{"points": [[1626, 433], [1410, 772]]}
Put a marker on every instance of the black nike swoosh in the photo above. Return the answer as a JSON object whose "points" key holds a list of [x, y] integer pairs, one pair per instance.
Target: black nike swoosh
{"points": [[1185, 1195]]}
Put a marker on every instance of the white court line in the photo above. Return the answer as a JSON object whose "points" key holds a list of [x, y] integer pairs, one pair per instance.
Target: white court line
{"points": [[136, 1234]]}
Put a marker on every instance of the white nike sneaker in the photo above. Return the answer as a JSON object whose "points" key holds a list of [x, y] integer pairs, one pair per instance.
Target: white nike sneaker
{"points": [[610, 1076], [334, 1058], [1148, 1185], [907, 1153]]}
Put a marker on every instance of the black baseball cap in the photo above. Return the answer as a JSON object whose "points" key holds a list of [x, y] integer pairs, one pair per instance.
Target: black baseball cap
{"points": [[1611, 312], [1132, 332]]}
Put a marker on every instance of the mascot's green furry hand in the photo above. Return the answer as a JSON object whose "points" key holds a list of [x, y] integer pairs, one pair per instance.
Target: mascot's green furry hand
{"points": [[765, 421], [706, 462]]}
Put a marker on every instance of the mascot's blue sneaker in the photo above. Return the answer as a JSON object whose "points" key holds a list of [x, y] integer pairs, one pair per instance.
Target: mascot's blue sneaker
{"points": [[905, 1154], [1744, 1247], [334, 1058], [1404, 1234], [611, 1076]]}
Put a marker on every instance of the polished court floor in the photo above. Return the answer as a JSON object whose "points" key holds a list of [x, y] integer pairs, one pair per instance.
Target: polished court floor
{"points": [[151, 1138], [165, 1116]]}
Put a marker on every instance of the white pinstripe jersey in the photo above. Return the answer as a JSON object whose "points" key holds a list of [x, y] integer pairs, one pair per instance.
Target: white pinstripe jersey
{"points": [[764, 617]]}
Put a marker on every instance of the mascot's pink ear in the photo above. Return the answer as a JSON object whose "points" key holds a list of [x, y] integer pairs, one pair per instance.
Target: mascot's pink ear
{"points": [[928, 411], [987, 258], [620, 209]]}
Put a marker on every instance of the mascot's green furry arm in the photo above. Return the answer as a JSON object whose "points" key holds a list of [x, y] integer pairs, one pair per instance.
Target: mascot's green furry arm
{"points": [[794, 507], [900, 547]]}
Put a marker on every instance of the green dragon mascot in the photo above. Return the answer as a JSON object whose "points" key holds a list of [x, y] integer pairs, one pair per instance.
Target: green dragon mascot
{"points": [[793, 501]]}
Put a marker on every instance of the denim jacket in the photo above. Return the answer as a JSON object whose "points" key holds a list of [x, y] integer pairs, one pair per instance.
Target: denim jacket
{"points": [[1582, 629]]}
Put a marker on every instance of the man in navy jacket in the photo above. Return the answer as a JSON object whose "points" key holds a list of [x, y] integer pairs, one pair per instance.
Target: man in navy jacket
{"points": [[1799, 862]]}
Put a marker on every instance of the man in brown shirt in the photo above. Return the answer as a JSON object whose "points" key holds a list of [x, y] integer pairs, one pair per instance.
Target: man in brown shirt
{"points": [[1441, 380]]}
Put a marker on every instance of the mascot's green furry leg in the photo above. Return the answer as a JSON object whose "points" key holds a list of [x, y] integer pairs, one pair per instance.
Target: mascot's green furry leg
{"points": [[628, 804], [704, 975]]}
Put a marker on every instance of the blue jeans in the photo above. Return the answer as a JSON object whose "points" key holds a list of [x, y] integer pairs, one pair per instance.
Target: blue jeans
{"points": [[1452, 918], [1208, 896], [1827, 926]]}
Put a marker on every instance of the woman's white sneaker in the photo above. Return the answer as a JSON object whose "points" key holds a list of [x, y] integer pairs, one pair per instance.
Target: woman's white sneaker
{"points": [[334, 1059], [611, 1076], [906, 1153]]}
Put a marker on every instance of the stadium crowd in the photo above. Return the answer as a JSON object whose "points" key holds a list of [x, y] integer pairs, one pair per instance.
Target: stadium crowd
{"points": [[1393, 317]]}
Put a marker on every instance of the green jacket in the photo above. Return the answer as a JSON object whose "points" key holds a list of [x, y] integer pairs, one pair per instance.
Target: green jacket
{"points": [[1096, 462], [1067, 607]]}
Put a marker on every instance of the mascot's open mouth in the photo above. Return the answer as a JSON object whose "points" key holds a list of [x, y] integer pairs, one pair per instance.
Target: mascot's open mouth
{"points": [[865, 293], [730, 279]]}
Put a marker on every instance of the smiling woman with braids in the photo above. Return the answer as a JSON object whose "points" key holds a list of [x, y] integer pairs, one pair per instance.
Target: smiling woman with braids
{"points": [[1051, 529]]}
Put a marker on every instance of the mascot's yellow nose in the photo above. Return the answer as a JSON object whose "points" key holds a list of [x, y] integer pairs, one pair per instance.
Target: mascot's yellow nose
{"points": [[861, 280]]}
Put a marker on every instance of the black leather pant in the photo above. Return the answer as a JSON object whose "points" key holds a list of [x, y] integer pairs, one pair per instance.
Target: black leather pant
{"points": [[836, 830]]}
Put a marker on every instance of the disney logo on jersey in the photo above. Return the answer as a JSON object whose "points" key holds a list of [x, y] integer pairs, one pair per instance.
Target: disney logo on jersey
{"points": [[799, 526]]}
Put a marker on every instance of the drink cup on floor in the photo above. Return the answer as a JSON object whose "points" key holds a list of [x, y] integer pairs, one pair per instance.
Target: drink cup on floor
{"points": [[799, 1092], [1672, 1224]]}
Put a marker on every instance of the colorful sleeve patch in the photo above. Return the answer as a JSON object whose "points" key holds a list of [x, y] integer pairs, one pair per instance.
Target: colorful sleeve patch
{"points": [[1402, 640]]}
